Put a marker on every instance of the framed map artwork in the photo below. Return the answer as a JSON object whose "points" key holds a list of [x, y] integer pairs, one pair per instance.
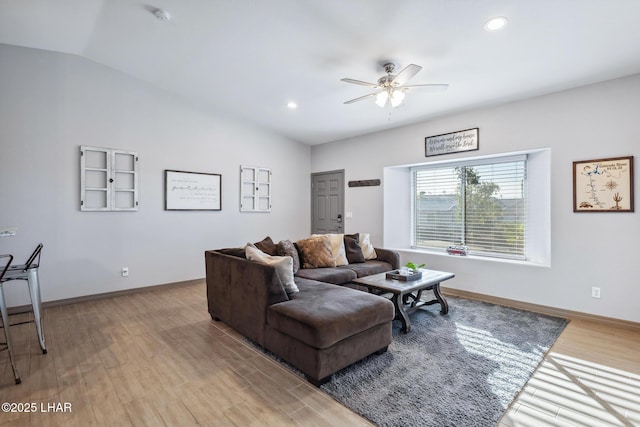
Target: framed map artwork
{"points": [[603, 185]]}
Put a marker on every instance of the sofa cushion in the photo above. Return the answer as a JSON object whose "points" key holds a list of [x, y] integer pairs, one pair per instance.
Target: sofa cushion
{"points": [[286, 248], [368, 268], [282, 264], [337, 247], [337, 276], [367, 248], [322, 314], [315, 252], [352, 248], [267, 246]]}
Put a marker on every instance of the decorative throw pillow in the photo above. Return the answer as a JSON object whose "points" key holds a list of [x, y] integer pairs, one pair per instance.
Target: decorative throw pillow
{"points": [[337, 248], [267, 246], [282, 264], [353, 249], [315, 252], [286, 248], [367, 248]]}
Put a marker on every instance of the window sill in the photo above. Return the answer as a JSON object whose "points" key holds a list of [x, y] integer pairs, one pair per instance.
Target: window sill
{"points": [[527, 263]]}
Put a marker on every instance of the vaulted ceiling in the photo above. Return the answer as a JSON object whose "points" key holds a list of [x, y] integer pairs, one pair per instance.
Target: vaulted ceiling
{"points": [[249, 57]]}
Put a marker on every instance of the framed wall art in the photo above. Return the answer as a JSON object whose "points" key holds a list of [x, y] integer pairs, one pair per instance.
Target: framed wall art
{"points": [[454, 142], [192, 191], [603, 185]]}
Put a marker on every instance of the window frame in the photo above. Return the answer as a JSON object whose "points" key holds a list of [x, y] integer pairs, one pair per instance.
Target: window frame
{"points": [[484, 161]]}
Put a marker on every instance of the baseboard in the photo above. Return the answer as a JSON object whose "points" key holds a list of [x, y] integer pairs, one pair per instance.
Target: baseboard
{"points": [[25, 308], [536, 308], [542, 309]]}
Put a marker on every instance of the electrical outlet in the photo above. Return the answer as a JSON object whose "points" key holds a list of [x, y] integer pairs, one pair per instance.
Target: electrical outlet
{"points": [[595, 292], [125, 271]]}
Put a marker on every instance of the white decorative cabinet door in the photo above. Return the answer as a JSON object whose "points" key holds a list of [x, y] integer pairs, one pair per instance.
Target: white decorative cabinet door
{"points": [[255, 189], [108, 179], [125, 181]]}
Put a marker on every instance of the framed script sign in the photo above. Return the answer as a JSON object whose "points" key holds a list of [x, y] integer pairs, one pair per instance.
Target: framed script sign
{"points": [[192, 191], [455, 142], [603, 185]]}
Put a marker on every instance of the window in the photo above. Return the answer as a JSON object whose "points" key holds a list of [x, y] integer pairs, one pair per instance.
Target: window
{"points": [[108, 179], [481, 204]]}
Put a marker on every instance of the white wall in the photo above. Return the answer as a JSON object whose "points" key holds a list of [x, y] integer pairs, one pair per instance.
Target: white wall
{"points": [[587, 249], [50, 104]]}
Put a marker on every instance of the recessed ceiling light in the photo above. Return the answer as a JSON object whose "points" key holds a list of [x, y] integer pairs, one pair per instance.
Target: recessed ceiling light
{"points": [[292, 105], [495, 24]]}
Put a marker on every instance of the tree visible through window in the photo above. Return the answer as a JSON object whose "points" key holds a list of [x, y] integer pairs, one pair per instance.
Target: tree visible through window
{"points": [[480, 205]]}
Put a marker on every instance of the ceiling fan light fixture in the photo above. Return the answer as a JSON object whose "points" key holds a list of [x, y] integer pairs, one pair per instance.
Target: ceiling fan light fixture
{"points": [[397, 96], [391, 89], [495, 24], [381, 98]]}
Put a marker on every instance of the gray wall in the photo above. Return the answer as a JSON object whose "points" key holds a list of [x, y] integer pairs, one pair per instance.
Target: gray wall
{"points": [[51, 103], [596, 249]]}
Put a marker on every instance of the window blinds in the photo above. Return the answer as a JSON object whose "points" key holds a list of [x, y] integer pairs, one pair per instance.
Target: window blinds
{"points": [[481, 204]]}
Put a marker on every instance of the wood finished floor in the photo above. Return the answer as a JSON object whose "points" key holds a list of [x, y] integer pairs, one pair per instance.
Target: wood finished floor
{"points": [[156, 358], [590, 377]]}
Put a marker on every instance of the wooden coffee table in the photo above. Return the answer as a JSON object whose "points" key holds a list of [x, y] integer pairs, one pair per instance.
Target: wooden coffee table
{"points": [[406, 296]]}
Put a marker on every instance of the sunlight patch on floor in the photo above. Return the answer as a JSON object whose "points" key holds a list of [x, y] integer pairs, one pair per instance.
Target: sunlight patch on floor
{"points": [[567, 391], [511, 360]]}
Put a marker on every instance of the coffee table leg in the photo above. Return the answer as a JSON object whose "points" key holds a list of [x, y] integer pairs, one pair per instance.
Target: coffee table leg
{"points": [[400, 314], [444, 307]]}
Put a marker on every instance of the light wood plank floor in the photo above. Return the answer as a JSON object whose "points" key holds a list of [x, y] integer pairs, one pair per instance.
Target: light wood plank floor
{"points": [[590, 377], [156, 358]]}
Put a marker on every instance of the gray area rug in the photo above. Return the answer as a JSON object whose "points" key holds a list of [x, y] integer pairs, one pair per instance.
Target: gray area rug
{"points": [[461, 369]]}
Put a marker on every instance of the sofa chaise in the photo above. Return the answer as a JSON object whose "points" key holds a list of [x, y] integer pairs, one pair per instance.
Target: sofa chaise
{"points": [[324, 327]]}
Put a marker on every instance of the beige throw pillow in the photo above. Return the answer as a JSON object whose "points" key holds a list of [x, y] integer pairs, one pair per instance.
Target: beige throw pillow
{"points": [[337, 248], [315, 252], [367, 248], [282, 264]]}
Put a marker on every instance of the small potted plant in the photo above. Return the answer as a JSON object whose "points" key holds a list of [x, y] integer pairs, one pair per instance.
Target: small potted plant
{"points": [[413, 268]]}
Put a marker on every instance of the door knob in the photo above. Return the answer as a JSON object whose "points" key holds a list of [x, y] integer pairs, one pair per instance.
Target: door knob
{"points": [[339, 217]]}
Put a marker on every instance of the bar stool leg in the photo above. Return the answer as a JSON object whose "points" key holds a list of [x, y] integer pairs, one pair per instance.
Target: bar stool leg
{"points": [[36, 303], [5, 324]]}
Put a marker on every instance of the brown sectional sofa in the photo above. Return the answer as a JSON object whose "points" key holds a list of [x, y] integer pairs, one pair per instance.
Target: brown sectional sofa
{"points": [[320, 329]]}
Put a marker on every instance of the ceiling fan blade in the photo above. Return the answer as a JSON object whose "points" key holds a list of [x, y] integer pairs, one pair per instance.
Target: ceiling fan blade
{"points": [[360, 82], [431, 87], [406, 74], [361, 98]]}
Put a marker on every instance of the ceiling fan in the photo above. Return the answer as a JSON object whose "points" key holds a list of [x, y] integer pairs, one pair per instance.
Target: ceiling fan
{"points": [[392, 88]]}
